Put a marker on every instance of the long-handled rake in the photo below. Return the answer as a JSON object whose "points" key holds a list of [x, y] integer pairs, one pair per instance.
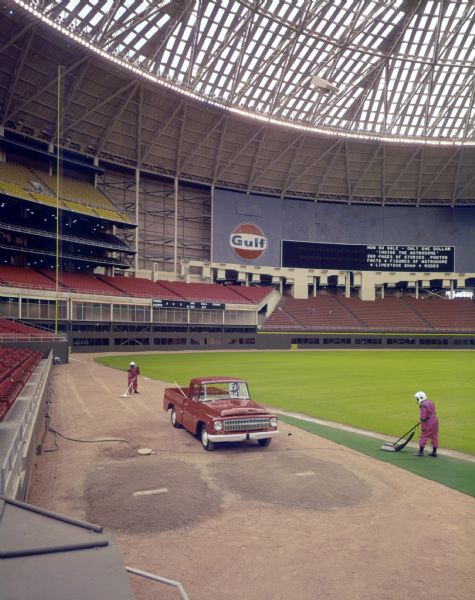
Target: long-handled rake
{"points": [[396, 446], [126, 394]]}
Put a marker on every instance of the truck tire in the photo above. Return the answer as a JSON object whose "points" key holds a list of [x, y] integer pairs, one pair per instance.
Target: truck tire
{"points": [[173, 420], [264, 442], [205, 441]]}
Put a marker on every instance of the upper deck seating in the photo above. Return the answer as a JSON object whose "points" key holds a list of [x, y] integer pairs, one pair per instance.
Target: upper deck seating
{"points": [[21, 182], [19, 175], [82, 196], [446, 315], [36, 185], [24, 278]]}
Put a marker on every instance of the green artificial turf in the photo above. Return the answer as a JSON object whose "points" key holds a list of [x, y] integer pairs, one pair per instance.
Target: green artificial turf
{"points": [[371, 390], [452, 472]]}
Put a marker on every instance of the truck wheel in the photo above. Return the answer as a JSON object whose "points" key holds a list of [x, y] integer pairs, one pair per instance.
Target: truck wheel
{"points": [[264, 442], [173, 420], [205, 441]]}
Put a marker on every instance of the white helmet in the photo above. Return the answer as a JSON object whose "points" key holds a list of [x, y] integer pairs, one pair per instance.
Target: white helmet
{"points": [[132, 364], [420, 397]]}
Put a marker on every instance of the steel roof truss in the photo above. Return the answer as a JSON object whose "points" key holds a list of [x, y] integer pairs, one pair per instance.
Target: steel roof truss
{"points": [[401, 172], [203, 140], [255, 159], [97, 106], [240, 150], [290, 146], [365, 171], [71, 95], [163, 125], [16, 74], [51, 81], [116, 116]]}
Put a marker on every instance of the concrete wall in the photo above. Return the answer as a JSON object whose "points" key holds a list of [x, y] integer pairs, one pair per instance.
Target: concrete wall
{"points": [[340, 224]]}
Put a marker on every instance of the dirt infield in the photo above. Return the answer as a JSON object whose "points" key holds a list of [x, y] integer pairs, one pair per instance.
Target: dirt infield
{"points": [[302, 519]]}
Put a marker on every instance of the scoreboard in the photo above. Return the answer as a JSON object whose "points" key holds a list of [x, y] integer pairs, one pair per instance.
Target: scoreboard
{"points": [[156, 303], [359, 257]]}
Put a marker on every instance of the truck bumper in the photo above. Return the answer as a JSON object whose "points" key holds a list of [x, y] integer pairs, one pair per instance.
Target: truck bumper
{"points": [[241, 437]]}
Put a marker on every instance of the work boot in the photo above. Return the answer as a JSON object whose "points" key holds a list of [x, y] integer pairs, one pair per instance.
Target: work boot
{"points": [[421, 452], [434, 452]]}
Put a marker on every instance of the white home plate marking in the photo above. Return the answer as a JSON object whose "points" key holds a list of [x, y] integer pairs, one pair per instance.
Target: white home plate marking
{"points": [[151, 492], [304, 474]]}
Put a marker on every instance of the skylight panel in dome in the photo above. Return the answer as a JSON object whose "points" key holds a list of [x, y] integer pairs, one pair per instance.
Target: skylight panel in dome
{"points": [[272, 5], [85, 11], [391, 49], [95, 19], [72, 5]]}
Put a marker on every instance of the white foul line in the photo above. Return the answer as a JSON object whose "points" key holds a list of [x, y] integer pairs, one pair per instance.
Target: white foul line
{"points": [[150, 492], [304, 474]]}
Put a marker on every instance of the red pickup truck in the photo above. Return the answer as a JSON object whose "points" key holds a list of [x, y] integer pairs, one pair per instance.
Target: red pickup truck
{"points": [[219, 409]]}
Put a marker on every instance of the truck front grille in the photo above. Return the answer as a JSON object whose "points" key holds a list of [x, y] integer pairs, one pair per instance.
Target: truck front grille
{"points": [[249, 424]]}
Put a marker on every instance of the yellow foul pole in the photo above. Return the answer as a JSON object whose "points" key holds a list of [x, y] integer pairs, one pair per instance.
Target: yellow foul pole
{"points": [[58, 128]]}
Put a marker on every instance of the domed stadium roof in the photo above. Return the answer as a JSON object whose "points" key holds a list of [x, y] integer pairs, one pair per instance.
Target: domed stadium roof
{"points": [[323, 101], [387, 70]]}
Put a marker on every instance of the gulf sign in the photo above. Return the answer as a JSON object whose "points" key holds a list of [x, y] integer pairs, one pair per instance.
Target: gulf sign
{"points": [[248, 241]]}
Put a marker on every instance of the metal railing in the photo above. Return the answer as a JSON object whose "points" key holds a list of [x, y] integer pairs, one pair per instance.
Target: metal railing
{"points": [[13, 462], [31, 337], [65, 236], [158, 579]]}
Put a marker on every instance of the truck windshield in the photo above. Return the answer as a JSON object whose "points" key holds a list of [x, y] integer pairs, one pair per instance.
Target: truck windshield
{"points": [[224, 390]]}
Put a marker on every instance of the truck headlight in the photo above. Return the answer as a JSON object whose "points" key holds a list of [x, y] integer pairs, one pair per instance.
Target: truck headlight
{"points": [[273, 422], [218, 425]]}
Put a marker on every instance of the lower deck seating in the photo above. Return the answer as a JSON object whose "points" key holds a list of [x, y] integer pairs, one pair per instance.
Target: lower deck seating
{"points": [[321, 312], [444, 314], [24, 278], [85, 283], [384, 314], [137, 287], [393, 313], [213, 292], [12, 328], [281, 320], [16, 367]]}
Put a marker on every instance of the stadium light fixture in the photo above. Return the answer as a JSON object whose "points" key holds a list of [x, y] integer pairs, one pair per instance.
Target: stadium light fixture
{"points": [[323, 85]]}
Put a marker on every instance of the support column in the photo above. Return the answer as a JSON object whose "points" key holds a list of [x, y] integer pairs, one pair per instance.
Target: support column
{"points": [[175, 233], [137, 195], [96, 164], [348, 285], [212, 223], [367, 290]]}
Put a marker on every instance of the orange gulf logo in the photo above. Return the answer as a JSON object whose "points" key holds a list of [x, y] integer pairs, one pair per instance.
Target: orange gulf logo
{"points": [[248, 241]]}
